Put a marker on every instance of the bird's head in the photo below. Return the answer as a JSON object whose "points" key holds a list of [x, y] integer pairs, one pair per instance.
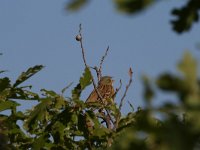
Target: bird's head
{"points": [[106, 80]]}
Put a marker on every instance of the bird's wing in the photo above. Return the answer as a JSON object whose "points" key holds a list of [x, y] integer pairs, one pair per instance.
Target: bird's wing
{"points": [[92, 97]]}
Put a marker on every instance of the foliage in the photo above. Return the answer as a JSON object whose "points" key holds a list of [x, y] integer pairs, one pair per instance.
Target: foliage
{"points": [[185, 16], [57, 122]]}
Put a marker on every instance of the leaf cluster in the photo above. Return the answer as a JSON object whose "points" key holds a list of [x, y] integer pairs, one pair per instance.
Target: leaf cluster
{"points": [[59, 122], [185, 16]]}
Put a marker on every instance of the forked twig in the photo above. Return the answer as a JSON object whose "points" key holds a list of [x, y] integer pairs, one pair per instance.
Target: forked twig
{"points": [[123, 97], [127, 87]]}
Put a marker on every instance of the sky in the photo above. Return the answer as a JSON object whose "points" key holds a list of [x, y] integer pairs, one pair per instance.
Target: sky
{"points": [[42, 32]]}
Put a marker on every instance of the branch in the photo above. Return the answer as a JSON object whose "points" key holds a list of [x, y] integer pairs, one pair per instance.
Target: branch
{"points": [[80, 39], [97, 72], [123, 98], [127, 87], [117, 89], [101, 63]]}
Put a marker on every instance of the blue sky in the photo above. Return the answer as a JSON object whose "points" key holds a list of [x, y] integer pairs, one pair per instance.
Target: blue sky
{"points": [[42, 32]]}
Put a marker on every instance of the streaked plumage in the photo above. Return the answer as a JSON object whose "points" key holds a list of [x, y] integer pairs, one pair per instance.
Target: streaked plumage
{"points": [[106, 90]]}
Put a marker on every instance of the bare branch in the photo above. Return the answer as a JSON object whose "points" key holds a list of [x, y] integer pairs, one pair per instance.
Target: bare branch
{"points": [[127, 87], [117, 89], [97, 72], [80, 39], [84, 60], [123, 97], [101, 63]]}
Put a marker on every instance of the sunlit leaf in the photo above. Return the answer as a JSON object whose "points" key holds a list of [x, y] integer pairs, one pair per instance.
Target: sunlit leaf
{"points": [[4, 105], [188, 66], [84, 81]]}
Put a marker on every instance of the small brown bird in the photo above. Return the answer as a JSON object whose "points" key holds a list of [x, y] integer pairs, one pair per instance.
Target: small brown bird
{"points": [[106, 90]]}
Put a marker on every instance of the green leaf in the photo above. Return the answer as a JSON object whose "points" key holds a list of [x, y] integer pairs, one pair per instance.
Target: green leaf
{"points": [[19, 93], [170, 82], [84, 81], [40, 142], [148, 90], [49, 93], [133, 6], [4, 83], [4, 105], [185, 16], [76, 4], [38, 114], [25, 75], [188, 66], [65, 88]]}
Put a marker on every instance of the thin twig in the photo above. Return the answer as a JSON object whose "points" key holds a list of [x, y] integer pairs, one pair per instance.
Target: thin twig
{"points": [[97, 72], [117, 89], [80, 39], [101, 63], [127, 87], [131, 106], [123, 98], [84, 60]]}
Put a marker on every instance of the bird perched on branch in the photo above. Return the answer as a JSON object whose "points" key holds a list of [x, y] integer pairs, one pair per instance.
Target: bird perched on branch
{"points": [[105, 89]]}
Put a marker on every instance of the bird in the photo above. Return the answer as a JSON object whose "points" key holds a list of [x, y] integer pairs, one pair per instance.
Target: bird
{"points": [[105, 89]]}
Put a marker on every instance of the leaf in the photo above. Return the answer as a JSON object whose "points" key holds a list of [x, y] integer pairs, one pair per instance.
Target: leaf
{"points": [[188, 66], [39, 143], [38, 114], [19, 93], [4, 83], [4, 105], [49, 93], [84, 81], [133, 6], [76, 4], [185, 16], [65, 88], [148, 92], [168, 82], [25, 75]]}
